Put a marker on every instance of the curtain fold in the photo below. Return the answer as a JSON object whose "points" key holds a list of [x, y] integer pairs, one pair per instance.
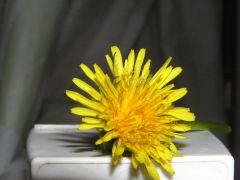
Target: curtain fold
{"points": [[27, 36], [236, 95]]}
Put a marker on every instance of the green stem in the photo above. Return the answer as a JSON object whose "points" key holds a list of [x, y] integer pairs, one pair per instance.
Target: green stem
{"points": [[200, 125]]}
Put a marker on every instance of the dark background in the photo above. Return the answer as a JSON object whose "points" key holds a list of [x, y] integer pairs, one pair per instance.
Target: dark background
{"points": [[43, 42]]}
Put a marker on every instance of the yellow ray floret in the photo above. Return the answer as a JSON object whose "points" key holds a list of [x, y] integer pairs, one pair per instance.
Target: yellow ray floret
{"points": [[134, 109]]}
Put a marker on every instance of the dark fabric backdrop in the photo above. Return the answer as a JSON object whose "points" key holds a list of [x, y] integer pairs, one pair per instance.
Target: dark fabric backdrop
{"points": [[43, 42]]}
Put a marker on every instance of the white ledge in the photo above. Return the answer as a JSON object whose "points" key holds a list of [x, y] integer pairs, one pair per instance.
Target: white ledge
{"points": [[55, 153]]}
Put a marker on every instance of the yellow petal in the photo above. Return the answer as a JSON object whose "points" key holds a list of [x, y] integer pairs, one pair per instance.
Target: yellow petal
{"points": [[118, 64], [146, 70], [114, 156], [173, 148], [131, 60], [90, 126], [114, 148], [181, 113], [125, 65], [168, 119], [159, 80], [160, 71], [180, 136], [167, 154], [99, 71], [104, 83], [120, 148], [174, 73], [84, 101], [176, 94], [154, 152], [84, 112], [166, 63], [167, 167], [181, 127], [100, 81], [167, 88], [134, 161], [163, 138], [107, 137], [87, 88], [92, 120], [138, 64], [140, 157], [152, 171], [110, 62], [88, 72], [111, 86]]}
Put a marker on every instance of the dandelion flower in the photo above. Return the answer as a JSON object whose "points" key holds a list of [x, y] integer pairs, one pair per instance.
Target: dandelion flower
{"points": [[134, 109]]}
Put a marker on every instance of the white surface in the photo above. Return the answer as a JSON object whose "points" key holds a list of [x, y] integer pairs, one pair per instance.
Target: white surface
{"points": [[53, 152]]}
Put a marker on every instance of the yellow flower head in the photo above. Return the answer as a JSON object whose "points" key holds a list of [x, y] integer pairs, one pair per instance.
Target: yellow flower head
{"points": [[135, 109]]}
